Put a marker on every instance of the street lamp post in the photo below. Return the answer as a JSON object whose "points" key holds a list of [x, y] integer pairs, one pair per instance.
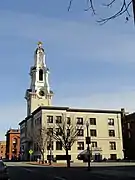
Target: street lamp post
{"points": [[88, 141], [50, 159]]}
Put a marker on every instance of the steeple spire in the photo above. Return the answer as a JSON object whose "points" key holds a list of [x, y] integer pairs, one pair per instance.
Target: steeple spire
{"points": [[39, 73], [40, 55]]}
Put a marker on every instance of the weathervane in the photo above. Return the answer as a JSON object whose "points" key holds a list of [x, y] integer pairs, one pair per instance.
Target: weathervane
{"points": [[40, 44]]}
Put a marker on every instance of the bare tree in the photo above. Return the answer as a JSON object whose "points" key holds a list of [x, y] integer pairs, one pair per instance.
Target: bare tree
{"points": [[39, 138], [66, 134], [124, 8]]}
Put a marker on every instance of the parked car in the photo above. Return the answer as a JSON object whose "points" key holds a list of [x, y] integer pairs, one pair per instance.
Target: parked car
{"points": [[83, 156], [3, 171]]}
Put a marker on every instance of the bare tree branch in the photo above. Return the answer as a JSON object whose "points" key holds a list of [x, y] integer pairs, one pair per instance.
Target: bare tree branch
{"points": [[70, 3], [90, 6], [109, 4], [133, 3], [124, 9], [66, 134], [39, 138]]}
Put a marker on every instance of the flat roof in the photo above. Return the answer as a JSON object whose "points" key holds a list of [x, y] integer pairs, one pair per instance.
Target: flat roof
{"points": [[68, 109], [131, 115], [13, 131]]}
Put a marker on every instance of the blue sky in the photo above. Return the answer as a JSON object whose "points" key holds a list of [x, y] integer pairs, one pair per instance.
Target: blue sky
{"points": [[91, 65]]}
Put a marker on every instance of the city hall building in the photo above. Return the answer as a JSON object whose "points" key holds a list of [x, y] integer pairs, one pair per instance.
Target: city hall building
{"points": [[105, 128]]}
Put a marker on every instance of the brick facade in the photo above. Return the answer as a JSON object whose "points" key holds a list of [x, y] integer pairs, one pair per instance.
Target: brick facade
{"points": [[129, 136], [13, 144], [2, 149]]}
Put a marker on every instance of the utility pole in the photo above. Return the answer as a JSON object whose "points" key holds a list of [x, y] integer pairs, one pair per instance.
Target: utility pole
{"points": [[88, 141]]}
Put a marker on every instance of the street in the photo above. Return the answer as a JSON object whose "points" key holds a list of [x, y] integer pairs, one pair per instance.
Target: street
{"points": [[25, 171]]}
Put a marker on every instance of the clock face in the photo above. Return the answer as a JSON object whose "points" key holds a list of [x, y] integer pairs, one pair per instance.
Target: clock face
{"points": [[41, 93]]}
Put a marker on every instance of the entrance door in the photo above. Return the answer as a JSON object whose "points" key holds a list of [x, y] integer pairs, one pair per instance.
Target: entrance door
{"points": [[98, 157], [113, 156]]}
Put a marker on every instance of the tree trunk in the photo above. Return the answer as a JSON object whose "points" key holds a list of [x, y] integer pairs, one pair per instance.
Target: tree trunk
{"points": [[43, 159], [68, 159]]}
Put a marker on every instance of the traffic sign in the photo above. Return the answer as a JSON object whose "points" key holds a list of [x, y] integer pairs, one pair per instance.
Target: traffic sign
{"points": [[30, 151]]}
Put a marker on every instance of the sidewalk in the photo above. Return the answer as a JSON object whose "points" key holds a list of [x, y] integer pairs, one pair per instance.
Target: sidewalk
{"points": [[47, 164], [93, 164]]}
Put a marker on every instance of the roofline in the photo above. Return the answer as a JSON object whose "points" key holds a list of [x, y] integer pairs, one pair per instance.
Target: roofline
{"points": [[20, 123], [11, 131], [68, 109], [23, 121], [130, 115], [78, 109]]}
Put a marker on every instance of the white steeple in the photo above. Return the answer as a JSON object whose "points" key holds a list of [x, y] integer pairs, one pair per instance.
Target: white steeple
{"points": [[39, 72], [39, 93]]}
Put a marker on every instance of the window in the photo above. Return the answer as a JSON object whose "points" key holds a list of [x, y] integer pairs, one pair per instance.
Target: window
{"points": [[1, 152], [49, 119], [112, 145], [68, 120], [93, 132], [41, 75], [92, 121], [58, 145], [80, 132], [14, 140], [111, 133], [48, 145], [50, 131], [38, 121], [79, 120], [58, 119], [58, 132], [110, 121], [128, 125], [80, 146], [94, 144]]}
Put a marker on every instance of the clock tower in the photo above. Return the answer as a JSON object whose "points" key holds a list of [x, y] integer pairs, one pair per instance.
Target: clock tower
{"points": [[39, 93]]}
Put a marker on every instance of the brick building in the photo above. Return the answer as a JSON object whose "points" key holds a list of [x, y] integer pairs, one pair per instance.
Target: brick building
{"points": [[2, 149], [129, 136], [13, 144]]}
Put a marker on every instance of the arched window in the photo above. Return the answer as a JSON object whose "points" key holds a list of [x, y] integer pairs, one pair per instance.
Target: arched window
{"points": [[41, 75], [14, 140]]}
